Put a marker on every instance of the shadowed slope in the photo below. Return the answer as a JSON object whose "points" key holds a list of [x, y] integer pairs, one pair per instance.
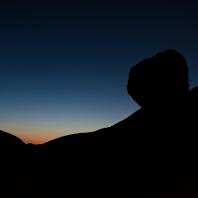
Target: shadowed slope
{"points": [[152, 152], [7, 138]]}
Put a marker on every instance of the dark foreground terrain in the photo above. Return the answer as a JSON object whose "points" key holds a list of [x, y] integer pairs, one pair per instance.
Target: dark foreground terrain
{"points": [[152, 153]]}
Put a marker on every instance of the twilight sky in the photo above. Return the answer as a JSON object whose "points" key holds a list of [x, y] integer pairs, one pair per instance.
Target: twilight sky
{"points": [[64, 66]]}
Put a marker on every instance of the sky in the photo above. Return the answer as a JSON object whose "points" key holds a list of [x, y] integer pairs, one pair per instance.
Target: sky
{"points": [[64, 65]]}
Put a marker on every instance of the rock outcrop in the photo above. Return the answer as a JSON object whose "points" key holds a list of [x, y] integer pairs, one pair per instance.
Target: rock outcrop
{"points": [[152, 153]]}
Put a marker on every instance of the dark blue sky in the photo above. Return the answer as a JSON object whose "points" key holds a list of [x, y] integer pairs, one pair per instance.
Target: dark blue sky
{"points": [[64, 66]]}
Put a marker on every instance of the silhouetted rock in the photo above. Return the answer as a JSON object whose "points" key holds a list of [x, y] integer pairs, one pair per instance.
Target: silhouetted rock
{"points": [[152, 153], [162, 78]]}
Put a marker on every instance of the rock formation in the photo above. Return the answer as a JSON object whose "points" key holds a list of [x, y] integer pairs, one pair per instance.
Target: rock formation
{"points": [[152, 153]]}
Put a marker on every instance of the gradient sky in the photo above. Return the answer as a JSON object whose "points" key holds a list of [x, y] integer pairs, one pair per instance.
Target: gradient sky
{"points": [[64, 66]]}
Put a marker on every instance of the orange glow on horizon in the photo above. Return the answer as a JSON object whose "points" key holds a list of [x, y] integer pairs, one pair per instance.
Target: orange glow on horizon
{"points": [[27, 141], [36, 140], [36, 135]]}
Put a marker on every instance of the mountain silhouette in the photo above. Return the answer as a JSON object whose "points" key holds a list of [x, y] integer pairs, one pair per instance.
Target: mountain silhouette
{"points": [[7, 140], [151, 153]]}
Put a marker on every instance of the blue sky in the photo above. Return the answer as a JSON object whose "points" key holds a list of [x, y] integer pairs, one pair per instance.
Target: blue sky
{"points": [[64, 66]]}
